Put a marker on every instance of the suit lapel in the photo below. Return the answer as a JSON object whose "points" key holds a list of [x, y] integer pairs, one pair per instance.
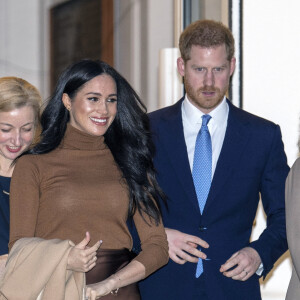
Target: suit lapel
{"points": [[234, 144], [174, 144]]}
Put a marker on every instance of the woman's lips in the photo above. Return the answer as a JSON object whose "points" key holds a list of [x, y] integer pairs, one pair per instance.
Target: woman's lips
{"points": [[13, 149], [99, 121]]}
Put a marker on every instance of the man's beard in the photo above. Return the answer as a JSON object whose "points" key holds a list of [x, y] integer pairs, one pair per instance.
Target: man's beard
{"points": [[200, 100]]}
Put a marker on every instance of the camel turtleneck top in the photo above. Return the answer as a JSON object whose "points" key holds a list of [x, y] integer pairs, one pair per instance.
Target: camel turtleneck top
{"points": [[77, 188]]}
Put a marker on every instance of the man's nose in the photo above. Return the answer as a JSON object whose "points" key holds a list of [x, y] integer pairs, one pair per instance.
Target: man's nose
{"points": [[209, 78]]}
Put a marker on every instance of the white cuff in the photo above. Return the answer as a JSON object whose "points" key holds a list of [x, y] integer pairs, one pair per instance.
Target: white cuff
{"points": [[260, 269]]}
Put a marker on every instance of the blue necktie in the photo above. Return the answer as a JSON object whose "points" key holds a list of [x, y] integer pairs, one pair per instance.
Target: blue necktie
{"points": [[202, 171]]}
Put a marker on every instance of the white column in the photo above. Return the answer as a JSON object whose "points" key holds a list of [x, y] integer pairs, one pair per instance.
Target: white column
{"points": [[170, 82], [236, 78]]}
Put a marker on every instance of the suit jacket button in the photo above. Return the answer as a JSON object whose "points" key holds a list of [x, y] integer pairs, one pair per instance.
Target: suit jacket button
{"points": [[202, 228]]}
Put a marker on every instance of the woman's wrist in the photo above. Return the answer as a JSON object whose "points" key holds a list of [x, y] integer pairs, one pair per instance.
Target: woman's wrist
{"points": [[115, 284]]}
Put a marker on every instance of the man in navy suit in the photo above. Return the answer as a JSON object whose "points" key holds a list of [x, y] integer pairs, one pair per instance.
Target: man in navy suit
{"points": [[247, 161]]}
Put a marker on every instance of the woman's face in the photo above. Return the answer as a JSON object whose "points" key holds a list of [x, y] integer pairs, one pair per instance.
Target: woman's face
{"points": [[16, 131], [94, 107]]}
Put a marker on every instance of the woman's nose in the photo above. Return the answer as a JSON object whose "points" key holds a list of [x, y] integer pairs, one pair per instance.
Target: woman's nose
{"points": [[102, 107], [16, 138]]}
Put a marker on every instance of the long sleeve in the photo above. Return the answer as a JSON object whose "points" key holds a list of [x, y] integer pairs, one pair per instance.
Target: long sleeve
{"points": [[24, 200], [4, 214], [154, 244], [272, 242]]}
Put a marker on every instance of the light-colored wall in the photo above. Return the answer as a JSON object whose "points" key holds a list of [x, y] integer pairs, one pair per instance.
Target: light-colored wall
{"points": [[271, 59], [24, 41], [127, 40], [19, 40], [271, 64], [142, 29]]}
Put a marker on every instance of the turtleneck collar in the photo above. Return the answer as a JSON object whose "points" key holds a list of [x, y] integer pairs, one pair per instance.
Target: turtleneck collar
{"points": [[75, 139]]}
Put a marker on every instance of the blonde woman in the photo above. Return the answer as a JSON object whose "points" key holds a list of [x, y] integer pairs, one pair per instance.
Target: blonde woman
{"points": [[19, 115]]}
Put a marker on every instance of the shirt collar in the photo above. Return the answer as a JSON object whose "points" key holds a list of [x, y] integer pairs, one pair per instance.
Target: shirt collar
{"points": [[194, 115]]}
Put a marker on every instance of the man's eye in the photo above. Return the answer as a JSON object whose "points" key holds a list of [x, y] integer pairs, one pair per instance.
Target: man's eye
{"points": [[218, 69]]}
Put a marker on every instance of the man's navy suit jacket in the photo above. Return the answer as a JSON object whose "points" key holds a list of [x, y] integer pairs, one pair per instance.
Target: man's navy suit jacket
{"points": [[252, 162]]}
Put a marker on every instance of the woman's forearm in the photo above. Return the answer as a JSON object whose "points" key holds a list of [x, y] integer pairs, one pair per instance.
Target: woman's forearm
{"points": [[133, 272]]}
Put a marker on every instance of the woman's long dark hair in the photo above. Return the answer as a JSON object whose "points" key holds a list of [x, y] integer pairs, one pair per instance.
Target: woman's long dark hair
{"points": [[128, 137]]}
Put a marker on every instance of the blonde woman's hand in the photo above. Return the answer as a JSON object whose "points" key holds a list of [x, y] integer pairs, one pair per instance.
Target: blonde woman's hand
{"points": [[81, 257]]}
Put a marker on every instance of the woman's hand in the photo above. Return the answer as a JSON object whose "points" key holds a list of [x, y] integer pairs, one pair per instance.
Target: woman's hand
{"points": [[81, 257], [99, 289], [133, 272]]}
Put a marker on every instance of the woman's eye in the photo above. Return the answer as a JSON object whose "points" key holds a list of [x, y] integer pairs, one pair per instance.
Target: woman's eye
{"points": [[111, 99], [27, 129], [94, 99]]}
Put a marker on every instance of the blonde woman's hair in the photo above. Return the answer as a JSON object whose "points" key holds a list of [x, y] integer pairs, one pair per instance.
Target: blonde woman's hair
{"points": [[16, 92]]}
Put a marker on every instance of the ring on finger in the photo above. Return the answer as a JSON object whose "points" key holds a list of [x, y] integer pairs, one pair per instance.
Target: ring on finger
{"points": [[245, 272]]}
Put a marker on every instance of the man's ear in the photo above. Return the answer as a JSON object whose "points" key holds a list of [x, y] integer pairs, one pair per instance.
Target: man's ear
{"points": [[180, 66], [66, 101], [232, 65]]}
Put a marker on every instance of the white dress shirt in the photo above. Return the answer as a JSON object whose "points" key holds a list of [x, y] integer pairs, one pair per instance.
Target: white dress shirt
{"points": [[192, 121]]}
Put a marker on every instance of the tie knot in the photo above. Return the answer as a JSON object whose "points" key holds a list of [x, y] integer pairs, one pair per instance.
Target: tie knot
{"points": [[205, 119]]}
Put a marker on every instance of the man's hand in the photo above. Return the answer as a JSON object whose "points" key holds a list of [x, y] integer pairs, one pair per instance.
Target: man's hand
{"points": [[181, 245], [246, 262]]}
